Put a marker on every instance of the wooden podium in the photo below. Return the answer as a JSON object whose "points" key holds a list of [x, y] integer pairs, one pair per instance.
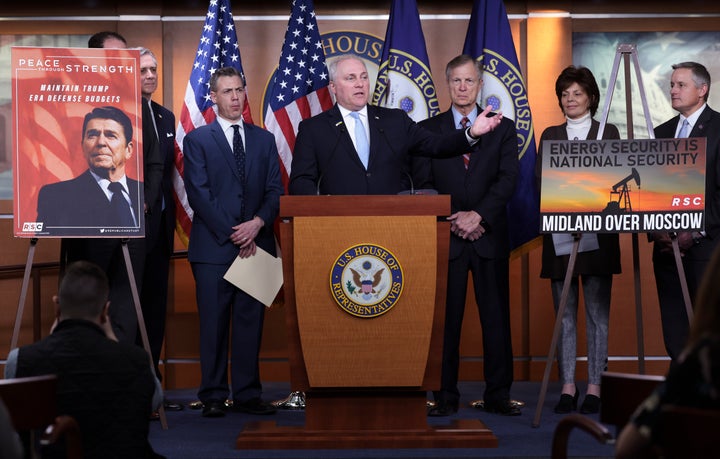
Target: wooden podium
{"points": [[365, 368]]}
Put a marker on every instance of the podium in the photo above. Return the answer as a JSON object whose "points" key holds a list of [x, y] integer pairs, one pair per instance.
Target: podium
{"points": [[365, 284]]}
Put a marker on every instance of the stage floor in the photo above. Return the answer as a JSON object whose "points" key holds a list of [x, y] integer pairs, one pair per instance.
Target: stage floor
{"points": [[191, 436]]}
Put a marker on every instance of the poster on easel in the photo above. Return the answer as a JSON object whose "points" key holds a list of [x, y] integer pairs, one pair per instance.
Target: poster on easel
{"points": [[623, 186], [77, 143]]}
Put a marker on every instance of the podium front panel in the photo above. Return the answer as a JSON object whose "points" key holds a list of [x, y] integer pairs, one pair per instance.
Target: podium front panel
{"points": [[356, 346]]}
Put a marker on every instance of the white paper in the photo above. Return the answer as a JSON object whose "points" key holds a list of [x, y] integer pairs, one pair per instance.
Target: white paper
{"points": [[260, 276], [564, 241]]}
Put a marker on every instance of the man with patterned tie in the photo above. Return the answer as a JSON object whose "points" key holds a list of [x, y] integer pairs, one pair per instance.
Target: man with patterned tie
{"points": [[689, 90], [480, 183], [357, 148], [232, 179]]}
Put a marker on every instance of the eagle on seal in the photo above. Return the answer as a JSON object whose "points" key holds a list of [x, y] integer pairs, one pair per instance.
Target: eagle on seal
{"points": [[367, 285]]}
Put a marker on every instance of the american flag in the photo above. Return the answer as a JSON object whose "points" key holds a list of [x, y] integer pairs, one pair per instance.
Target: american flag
{"points": [[299, 88], [218, 47]]}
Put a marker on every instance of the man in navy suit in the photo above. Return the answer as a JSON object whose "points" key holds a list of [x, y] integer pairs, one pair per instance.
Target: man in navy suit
{"points": [[160, 221], [480, 183], [232, 179], [325, 157], [689, 89]]}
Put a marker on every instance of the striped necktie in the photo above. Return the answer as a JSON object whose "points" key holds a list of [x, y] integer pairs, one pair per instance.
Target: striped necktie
{"points": [[465, 122], [120, 207]]}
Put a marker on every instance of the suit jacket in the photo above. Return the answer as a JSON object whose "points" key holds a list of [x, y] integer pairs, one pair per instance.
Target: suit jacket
{"points": [[80, 207], [605, 260], [708, 126], [165, 122], [485, 187], [215, 191], [152, 160], [325, 160]]}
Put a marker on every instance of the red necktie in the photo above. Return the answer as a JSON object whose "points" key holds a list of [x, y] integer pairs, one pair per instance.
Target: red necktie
{"points": [[465, 122]]}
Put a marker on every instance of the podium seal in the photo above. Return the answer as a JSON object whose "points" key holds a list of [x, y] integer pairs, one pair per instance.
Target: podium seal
{"points": [[366, 280]]}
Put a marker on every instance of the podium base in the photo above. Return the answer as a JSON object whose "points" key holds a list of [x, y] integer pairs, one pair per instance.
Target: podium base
{"points": [[463, 433]]}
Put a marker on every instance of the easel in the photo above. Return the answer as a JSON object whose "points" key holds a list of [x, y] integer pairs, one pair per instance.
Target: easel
{"points": [[136, 301], [626, 51]]}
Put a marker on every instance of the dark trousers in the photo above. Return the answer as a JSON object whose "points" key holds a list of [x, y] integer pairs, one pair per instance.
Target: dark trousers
{"points": [[221, 304], [673, 315], [491, 284], [154, 295]]}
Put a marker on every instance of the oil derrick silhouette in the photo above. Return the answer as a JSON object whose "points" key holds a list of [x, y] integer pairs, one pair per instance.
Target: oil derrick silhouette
{"points": [[622, 203]]}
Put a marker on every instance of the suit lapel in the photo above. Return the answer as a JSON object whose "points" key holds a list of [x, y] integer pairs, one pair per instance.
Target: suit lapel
{"points": [[98, 194], [224, 148], [338, 125], [251, 152], [376, 132], [701, 126]]}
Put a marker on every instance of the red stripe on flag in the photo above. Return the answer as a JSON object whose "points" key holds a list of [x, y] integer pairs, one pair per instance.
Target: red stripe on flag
{"points": [[286, 127]]}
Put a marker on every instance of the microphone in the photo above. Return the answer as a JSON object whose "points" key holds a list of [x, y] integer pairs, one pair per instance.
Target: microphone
{"points": [[412, 190], [341, 125], [412, 185]]}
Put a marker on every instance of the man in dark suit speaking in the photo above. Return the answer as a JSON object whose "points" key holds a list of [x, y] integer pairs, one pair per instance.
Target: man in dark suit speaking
{"points": [[356, 148], [102, 197]]}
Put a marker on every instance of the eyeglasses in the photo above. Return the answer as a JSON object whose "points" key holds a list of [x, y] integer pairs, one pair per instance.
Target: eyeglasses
{"points": [[469, 82]]}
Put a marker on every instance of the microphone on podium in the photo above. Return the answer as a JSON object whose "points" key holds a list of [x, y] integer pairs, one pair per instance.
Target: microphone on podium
{"points": [[412, 190]]}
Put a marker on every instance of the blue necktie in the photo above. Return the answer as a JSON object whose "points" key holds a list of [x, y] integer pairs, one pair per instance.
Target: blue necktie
{"points": [[239, 152], [120, 207], [684, 129], [361, 141]]}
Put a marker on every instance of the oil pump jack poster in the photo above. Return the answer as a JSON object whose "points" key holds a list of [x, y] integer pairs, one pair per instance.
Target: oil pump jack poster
{"points": [[623, 186]]}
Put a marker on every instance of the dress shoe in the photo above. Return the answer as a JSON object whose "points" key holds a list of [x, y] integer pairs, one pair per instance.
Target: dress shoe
{"points": [[502, 407], [443, 408], [567, 403], [214, 409], [590, 405], [172, 406], [253, 406]]}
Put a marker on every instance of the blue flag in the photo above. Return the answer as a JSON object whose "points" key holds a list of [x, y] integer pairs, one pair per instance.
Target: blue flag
{"points": [[404, 79], [490, 41]]}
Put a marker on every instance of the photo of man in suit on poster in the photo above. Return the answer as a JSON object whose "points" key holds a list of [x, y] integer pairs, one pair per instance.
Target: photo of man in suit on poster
{"points": [[79, 162], [103, 196]]}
